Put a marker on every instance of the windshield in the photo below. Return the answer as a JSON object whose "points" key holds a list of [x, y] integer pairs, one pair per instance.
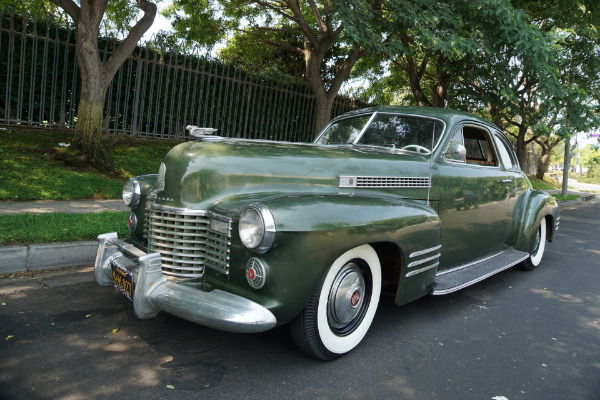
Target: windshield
{"points": [[404, 132]]}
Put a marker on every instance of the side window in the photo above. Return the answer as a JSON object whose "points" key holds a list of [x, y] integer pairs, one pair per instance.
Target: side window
{"points": [[506, 154], [479, 148]]}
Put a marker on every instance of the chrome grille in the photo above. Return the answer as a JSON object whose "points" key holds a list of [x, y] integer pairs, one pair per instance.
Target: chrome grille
{"points": [[383, 182], [188, 240]]}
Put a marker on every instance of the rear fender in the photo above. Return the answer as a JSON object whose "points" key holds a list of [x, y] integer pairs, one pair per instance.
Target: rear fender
{"points": [[534, 206]]}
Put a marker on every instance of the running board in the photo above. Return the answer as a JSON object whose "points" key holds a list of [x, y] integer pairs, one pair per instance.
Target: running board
{"points": [[466, 275]]}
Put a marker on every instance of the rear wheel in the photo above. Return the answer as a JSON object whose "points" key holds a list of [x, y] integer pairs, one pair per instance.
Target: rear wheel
{"points": [[538, 251], [342, 306]]}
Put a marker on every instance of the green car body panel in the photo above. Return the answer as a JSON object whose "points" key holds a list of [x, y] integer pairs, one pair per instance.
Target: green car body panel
{"points": [[464, 211]]}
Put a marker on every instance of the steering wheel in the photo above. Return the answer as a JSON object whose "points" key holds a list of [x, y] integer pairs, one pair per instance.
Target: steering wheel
{"points": [[419, 149]]}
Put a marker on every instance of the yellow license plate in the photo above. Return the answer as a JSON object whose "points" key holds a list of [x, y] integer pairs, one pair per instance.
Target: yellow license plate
{"points": [[122, 277]]}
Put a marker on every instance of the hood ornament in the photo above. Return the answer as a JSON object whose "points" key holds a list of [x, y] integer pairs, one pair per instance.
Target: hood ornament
{"points": [[200, 132]]}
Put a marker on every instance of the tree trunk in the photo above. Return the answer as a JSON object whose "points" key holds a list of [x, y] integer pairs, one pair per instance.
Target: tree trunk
{"points": [[323, 108], [547, 147], [313, 60], [90, 110], [542, 166], [95, 75], [567, 163], [522, 146], [439, 95], [88, 128]]}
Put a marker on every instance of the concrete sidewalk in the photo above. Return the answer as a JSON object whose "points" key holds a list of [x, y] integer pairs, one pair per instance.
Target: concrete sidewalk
{"points": [[67, 206], [36, 257]]}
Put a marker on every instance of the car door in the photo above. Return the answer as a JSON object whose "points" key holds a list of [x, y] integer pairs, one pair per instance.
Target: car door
{"points": [[473, 195], [516, 180]]}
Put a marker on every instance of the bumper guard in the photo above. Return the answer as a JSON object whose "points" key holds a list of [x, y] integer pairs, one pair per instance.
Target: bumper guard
{"points": [[154, 293]]}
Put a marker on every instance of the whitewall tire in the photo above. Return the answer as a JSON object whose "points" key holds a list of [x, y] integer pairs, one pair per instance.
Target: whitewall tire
{"points": [[538, 251], [342, 306]]}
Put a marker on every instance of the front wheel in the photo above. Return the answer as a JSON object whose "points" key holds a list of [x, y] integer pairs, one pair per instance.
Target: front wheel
{"points": [[342, 306], [538, 251]]}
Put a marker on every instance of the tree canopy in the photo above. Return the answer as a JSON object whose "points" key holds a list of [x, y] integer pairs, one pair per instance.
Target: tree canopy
{"points": [[326, 37]]}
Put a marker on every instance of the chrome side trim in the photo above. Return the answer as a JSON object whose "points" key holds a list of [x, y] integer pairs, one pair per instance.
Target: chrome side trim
{"points": [[424, 260], [418, 271], [469, 264], [425, 251], [480, 278]]}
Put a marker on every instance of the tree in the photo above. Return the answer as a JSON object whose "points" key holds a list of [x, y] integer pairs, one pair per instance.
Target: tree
{"points": [[433, 45], [549, 89], [324, 34], [96, 75]]}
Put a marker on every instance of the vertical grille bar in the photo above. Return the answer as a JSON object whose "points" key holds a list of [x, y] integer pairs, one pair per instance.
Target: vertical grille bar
{"points": [[188, 240]]}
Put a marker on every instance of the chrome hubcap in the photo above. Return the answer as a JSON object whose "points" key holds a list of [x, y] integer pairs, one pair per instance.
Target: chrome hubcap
{"points": [[346, 296]]}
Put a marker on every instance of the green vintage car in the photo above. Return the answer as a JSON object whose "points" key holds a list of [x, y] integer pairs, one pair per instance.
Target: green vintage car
{"points": [[245, 235]]}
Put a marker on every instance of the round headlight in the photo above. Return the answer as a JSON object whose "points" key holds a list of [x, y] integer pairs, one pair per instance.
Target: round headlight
{"points": [[131, 193], [252, 228], [257, 227]]}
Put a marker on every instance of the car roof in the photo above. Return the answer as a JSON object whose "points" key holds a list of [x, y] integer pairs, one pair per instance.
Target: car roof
{"points": [[447, 115]]}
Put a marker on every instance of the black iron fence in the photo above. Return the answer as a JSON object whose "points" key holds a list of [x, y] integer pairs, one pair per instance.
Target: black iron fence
{"points": [[156, 93]]}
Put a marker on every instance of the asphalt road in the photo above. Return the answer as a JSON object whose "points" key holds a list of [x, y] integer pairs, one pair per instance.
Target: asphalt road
{"points": [[517, 335]]}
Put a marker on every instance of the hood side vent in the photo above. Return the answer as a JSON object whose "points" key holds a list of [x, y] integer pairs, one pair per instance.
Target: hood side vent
{"points": [[384, 182]]}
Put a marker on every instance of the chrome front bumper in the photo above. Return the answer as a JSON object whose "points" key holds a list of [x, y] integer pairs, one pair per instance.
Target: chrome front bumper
{"points": [[152, 292]]}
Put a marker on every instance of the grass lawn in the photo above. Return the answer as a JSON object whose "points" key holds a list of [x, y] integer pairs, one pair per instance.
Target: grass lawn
{"points": [[542, 184], [560, 197], [28, 171], [60, 227]]}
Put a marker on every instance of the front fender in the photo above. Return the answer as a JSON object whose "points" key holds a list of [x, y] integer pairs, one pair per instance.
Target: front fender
{"points": [[533, 206], [314, 230]]}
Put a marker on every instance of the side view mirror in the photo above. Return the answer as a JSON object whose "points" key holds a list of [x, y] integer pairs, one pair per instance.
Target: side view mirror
{"points": [[457, 152]]}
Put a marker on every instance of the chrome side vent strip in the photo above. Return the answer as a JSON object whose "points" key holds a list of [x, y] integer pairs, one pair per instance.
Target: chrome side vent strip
{"points": [[433, 259], [383, 182]]}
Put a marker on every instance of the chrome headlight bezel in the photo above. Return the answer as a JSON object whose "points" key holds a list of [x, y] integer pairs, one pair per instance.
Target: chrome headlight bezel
{"points": [[257, 228], [132, 193]]}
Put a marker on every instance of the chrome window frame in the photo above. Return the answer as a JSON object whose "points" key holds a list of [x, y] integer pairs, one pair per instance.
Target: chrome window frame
{"points": [[490, 134]]}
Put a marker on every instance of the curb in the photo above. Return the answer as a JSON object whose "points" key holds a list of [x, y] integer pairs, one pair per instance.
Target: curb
{"points": [[580, 200], [14, 259]]}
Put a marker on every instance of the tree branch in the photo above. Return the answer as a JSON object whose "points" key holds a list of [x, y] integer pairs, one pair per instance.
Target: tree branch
{"points": [[70, 8], [301, 21], [345, 70], [128, 45], [320, 23], [284, 46]]}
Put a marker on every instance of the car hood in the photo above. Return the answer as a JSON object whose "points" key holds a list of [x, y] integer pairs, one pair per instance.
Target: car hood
{"points": [[223, 172]]}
